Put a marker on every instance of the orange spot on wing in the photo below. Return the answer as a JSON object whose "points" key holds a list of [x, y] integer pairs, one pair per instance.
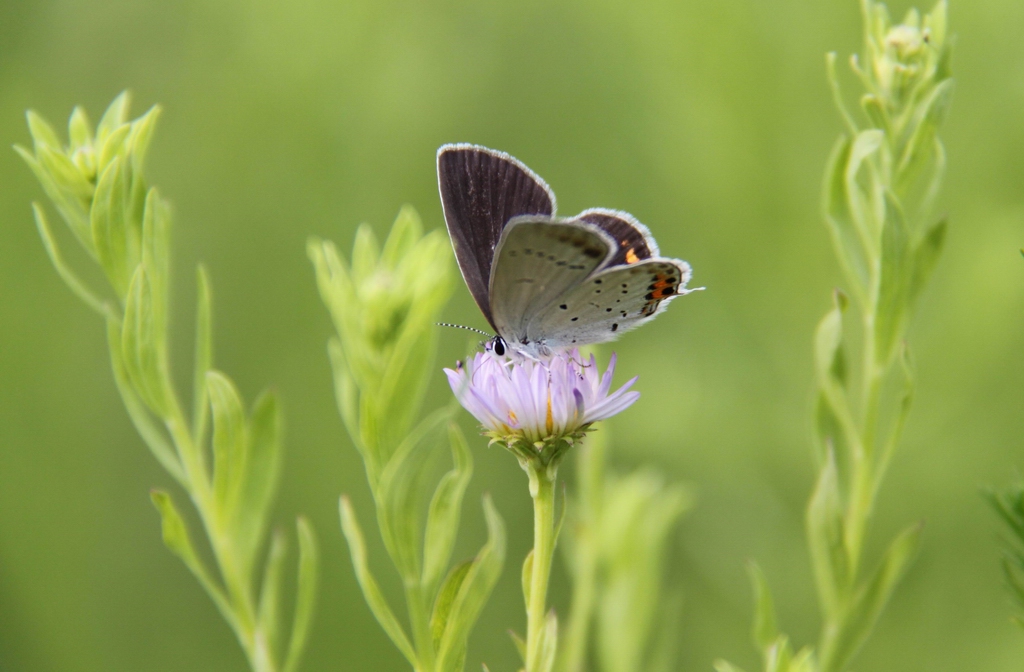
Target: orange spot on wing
{"points": [[631, 257]]}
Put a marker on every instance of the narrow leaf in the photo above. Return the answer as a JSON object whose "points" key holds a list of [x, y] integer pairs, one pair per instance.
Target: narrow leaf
{"points": [[371, 591], [445, 509], [475, 590], [229, 441], [445, 598], [826, 539], [309, 562], [203, 359], [925, 256], [405, 233], [143, 345], [153, 434], [846, 237], [765, 631], [262, 471], [894, 283], [115, 116], [70, 278], [109, 233], [176, 539], [42, 133], [269, 610]]}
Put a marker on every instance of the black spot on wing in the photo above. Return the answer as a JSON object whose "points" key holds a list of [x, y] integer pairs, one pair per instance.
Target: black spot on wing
{"points": [[632, 244], [481, 191]]}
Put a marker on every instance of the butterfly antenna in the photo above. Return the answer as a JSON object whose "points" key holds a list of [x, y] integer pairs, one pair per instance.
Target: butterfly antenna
{"points": [[459, 326]]}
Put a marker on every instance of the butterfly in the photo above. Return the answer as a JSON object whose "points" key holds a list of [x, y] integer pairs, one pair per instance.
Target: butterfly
{"points": [[546, 283]]}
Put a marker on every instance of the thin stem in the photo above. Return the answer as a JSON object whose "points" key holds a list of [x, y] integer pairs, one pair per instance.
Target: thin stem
{"points": [[418, 617], [542, 489]]}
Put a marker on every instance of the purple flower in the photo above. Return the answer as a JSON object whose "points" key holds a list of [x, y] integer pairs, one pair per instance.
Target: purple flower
{"points": [[531, 404]]}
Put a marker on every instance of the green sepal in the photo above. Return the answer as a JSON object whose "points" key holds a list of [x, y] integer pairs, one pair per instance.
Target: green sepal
{"points": [[371, 591], [306, 592], [445, 510], [473, 592]]}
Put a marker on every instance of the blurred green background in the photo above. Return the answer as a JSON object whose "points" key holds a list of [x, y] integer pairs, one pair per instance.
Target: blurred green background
{"points": [[710, 121]]}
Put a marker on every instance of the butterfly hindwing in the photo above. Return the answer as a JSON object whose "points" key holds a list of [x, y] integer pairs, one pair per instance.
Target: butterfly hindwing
{"points": [[538, 261], [610, 302], [481, 191], [634, 241]]}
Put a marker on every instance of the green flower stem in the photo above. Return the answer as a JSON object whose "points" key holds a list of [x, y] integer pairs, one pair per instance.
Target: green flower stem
{"points": [[542, 489]]}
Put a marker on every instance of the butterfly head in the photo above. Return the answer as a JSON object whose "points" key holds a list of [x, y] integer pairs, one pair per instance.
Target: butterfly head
{"points": [[497, 346]]}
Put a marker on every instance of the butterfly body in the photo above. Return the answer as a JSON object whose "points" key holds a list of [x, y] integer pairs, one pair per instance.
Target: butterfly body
{"points": [[547, 283]]}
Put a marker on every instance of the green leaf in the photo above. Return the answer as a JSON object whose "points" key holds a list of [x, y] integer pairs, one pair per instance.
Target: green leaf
{"points": [[79, 129], [402, 492], [474, 591], [826, 539], [70, 278], [176, 539], [925, 256], [143, 346], [765, 631], [527, 576], [371, 591], [43, 134], [71, 208], [365, 254], [115, 116], [156, 242], [894, 283], [305, 602], [865, 145], [846, 237], [726, 666], [405, 233], [262, 471], [519, 643], [444, 512], [203, 359], [229, 442], [140, 136], [153, 434], [445, 598], [548, 643], [873, 596], [110, 230], [269, 609], [925, 126], [113, 147], [64, 173]]}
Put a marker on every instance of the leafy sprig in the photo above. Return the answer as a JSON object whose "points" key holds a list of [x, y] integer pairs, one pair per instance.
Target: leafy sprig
{"points": [[97, 185], [879, 190], [384, 305]]}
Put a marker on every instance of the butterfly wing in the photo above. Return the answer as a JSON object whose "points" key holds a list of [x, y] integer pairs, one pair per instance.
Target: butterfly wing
{"points": [[634, 240], [481, 190], [537, 261], [610, 302]]}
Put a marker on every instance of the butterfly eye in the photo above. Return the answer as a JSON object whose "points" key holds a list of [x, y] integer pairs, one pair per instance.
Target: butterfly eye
{"points": [[499, 346]]}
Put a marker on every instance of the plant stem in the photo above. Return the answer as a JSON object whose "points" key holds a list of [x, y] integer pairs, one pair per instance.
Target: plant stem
{"points": [[542, 489]]}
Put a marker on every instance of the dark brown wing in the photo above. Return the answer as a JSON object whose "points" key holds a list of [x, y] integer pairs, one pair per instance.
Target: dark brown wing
{"points": [[481, 190], [633, 238]]}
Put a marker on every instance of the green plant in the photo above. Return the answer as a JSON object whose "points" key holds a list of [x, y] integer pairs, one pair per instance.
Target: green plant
{"points": [[384, 306], [879, 191], [226, 460]]}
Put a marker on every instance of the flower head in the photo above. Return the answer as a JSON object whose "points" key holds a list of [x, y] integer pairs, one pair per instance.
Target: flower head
{"points": [[537, 409]]}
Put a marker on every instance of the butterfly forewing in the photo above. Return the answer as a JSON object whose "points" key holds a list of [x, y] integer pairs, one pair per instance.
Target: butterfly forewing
{"points": [[609, 303], [481, 191], [537, 262]]}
